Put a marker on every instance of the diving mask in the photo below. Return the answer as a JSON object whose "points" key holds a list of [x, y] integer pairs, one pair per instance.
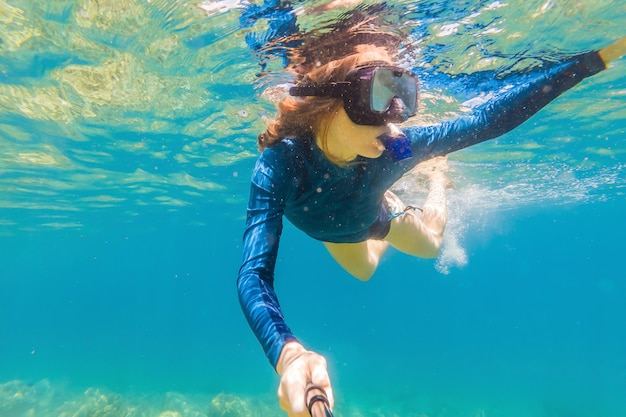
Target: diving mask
{"points": [[373, 94]]}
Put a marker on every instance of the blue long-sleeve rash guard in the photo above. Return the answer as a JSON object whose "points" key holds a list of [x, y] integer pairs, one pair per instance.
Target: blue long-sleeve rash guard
{"points": [[339, 203]]}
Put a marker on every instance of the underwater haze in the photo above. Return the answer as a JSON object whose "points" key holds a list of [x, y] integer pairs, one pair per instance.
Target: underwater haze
{"points": [[127, 140]]}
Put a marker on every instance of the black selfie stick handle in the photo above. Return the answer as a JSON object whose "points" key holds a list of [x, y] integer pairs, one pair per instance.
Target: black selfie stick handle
{"points": [[317, 401]]}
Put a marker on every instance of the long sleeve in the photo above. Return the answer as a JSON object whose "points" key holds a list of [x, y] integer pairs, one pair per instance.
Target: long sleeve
{"points": [[256, 275], [508, 110]]}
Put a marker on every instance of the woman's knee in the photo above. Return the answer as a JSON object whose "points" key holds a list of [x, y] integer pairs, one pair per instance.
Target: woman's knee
{"points": [[411, 236], [363, 271], [429, 250], [360, 259]]}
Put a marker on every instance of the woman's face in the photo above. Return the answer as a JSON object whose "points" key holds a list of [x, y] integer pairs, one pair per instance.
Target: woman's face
{"points": [[345, 140]]}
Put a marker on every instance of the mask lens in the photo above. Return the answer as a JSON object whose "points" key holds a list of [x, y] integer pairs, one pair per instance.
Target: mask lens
{"points": [[387, 84]]}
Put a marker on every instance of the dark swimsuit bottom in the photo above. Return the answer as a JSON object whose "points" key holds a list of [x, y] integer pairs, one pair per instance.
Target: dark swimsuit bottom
{"points": [[380, 229]]}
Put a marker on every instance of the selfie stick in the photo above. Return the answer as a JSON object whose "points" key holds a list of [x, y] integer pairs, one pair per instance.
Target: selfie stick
{"points": [[316, 401]]}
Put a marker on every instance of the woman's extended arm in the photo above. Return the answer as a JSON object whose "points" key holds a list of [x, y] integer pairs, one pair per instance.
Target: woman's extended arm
{"points": [[510, 109], [260, 249], [296, 365]]}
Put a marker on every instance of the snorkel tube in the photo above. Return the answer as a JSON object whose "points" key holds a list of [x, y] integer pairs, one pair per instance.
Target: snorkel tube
{"points": [[396, 143]]}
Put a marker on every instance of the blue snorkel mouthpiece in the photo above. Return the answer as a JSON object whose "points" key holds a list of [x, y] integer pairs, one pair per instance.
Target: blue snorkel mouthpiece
{"points": [[397, 144]]}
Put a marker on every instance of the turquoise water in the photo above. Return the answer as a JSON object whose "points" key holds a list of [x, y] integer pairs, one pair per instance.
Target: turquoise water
{"points": [[127, 138]]}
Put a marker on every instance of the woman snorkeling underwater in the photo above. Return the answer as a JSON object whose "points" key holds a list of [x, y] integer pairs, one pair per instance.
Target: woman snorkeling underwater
{"points": [[327, 163]]}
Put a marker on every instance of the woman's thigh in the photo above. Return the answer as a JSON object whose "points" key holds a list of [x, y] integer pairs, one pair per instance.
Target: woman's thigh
{"points": [[408, 233], [359, 259]]}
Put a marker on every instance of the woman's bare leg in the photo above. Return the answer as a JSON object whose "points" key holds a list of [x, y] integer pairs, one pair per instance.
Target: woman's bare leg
{"points": [[359, 259], [421, 233], [417, 233]]}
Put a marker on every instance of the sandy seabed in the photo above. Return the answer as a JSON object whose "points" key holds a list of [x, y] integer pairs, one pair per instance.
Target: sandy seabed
{"points": [[46, 399], [42, 399]]}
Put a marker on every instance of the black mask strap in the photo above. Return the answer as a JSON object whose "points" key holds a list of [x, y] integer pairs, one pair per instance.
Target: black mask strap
{"points": [[334, 90]]}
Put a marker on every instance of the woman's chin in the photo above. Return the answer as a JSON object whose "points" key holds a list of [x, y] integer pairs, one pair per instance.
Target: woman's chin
{"points": [[375, 152], [380, 148]]}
